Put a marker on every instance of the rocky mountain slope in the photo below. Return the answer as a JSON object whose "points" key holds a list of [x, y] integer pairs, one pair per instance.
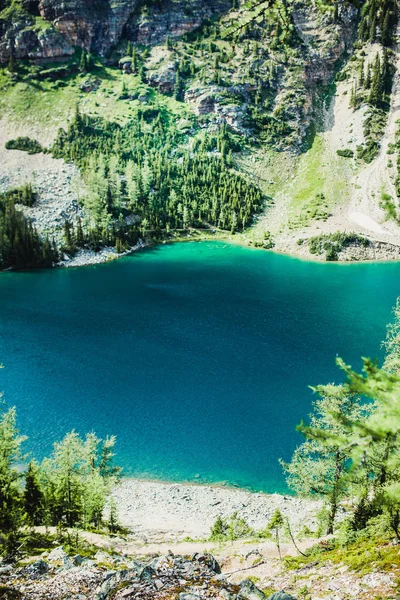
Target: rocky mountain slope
{"points": [[280, 76], [247, 570]]}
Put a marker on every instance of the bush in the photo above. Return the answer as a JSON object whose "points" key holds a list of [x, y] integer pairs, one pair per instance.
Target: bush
{"points": [[347, 153], [341, 76], [26, 144], [369, 151], [233, 528], [334, 243]]}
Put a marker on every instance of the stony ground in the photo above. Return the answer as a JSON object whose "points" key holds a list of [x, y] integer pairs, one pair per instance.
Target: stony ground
{"points": [[232, 572], [157, 510]]}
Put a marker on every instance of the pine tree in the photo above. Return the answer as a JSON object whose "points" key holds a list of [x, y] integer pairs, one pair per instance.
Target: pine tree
{"points": [[69, 236], [11, 66], [80, 237], [134, 60], [276, 524], [375, 96], [178, 87], [33, 496], [83, 62], [319, 469], [113, 524], [10, 476]]}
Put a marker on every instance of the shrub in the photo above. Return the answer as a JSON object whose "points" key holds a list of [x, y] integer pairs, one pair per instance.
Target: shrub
{"points": [[24, 143], [233, 528], [347, 153], [369, 151], [334, 243]]}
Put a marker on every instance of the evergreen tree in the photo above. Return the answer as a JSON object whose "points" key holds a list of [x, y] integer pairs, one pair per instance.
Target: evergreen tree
{"points": [[33, 496], [11, 66], [10, 477], [375, 96], [320, 469], [83, 62], [178, 86], [80, 475], [276, 524]]}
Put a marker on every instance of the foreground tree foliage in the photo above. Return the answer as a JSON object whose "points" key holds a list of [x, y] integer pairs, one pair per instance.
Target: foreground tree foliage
{"points": [[68, 489], [320, 469], [352, 447]]}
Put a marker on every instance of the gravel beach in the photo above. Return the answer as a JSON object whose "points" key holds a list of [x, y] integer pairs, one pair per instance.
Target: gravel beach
{"points": [[156, 510]]}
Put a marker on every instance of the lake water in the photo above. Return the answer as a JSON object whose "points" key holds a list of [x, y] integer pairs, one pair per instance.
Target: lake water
{"points": [[198, 356]]}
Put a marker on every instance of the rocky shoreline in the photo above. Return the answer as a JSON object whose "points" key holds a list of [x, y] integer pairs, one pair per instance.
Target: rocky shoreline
{"points": [[157, 511], [84, 258], [378, 251]]}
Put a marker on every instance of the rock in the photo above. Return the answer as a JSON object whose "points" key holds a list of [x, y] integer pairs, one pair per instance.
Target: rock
{"points": [[164, 78], [173, 19], [90, 84], [248, 591], [57, 555], [38, 568], [102, 557], [225, 595], [77, 560], [147, 574], [281, 596], [185, 596], [113, 580], [5, 569], [209, 561], [125, 64]]}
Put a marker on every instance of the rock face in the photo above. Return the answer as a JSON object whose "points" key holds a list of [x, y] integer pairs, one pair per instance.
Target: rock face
{"points": [[163, 578], [27, 36], [91, 24], [51, 28], [173, 18]]}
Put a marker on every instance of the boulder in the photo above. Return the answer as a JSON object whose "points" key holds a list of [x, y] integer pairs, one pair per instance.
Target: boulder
{"points": [[281, 596], [4, 569], [209, 561], [38, 568], [112, 580], [248, 591], [57, 555]]}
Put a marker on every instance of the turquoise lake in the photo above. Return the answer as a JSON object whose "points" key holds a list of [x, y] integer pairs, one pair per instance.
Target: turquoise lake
{"points": [[198, 356]]}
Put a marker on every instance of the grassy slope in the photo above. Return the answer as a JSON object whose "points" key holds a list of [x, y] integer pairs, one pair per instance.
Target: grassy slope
{"points": [[47, 105]]}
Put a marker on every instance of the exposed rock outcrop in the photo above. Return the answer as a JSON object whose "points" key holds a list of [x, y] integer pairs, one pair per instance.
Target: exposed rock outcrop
{"points": [[105, 577], [172, 18], [91, 24]]}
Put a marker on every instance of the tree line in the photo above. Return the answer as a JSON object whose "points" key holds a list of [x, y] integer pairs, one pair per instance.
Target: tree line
{"points": [[143, 178], [20, 244], [378, 21], [67, 489]]}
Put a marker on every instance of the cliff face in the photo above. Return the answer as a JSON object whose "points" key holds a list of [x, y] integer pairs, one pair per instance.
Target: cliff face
{"points": [[50, 28], [236, 82], [173, 18], [91, 24]]}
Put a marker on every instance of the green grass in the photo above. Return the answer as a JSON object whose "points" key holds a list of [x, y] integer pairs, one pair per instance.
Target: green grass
{"points": [[37, 103], [46, 104], [364, 556], [321, 182]]}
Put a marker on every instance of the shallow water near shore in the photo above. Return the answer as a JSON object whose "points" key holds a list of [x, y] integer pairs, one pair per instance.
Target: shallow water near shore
{"points": [[198, 356]]}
